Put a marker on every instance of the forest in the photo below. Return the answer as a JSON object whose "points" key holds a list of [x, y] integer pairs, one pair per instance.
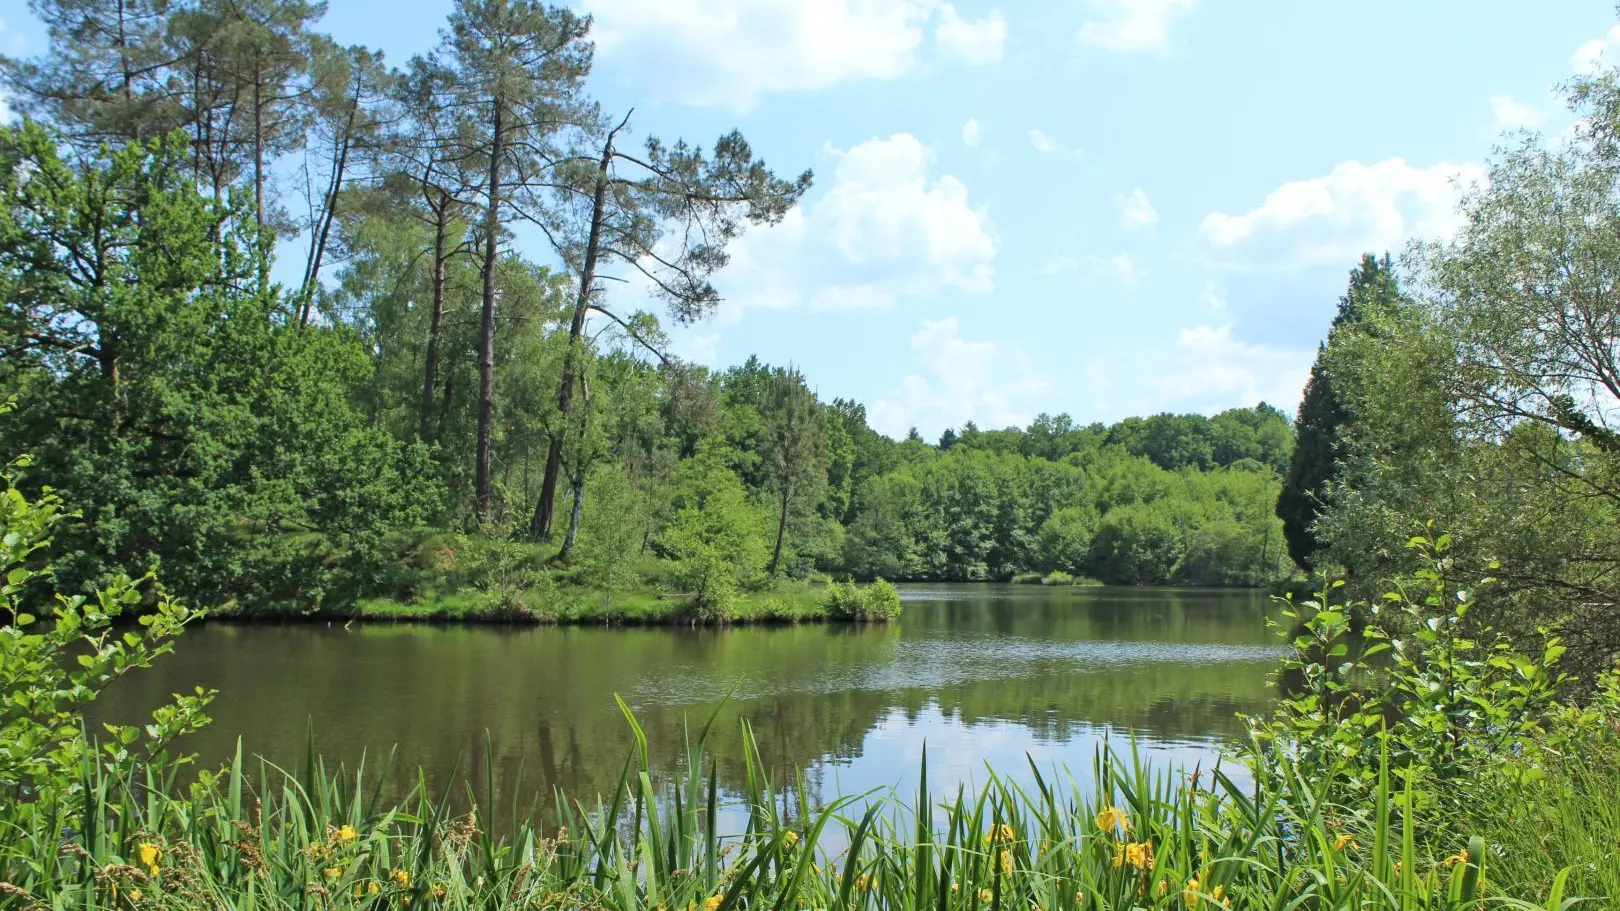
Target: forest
{"points": [[440, 415]]}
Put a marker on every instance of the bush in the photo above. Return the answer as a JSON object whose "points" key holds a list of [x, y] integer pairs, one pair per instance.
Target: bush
{"points": [[879, 601], [57, 654], [1412, 676], [1057, 577]]}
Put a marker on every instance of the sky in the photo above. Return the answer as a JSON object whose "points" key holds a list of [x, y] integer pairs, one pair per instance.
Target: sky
{"points": [[1093, 207]]}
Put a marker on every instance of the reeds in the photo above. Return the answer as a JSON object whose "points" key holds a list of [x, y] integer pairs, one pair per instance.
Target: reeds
{"points": [[1134, 837]]}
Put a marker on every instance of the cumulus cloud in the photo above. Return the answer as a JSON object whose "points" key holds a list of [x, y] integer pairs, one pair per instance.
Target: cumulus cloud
{"points": [[1213, 370], [885, 228], [1510, 114], [1136, 213], [1212, 297], [1335, 218], [1202, 368], [1131, 26], [973, 41], [729, 53], [1594, 55], [1047, 144], [961, 380], [972, 133]]}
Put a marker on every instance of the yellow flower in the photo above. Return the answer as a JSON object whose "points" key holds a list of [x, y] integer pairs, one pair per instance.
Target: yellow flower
{"points": [[1219, 894], [1001, 833], [1079, 898], [862, 881], [711, 903], [401, 876], [985, 895], [955, 888], [1342, 840], [150, 855], [1461, 857], [437, 892], [1111, 818], [1006, 863], [1138, 854], [791, 837], [1191, 895], [346, 833], [374, 887], [134, 895], [333, 872]]}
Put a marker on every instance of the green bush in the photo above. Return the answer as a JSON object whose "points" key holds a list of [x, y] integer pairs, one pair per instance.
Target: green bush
{"points": [[1413, 676], [1057, 577], [57, 654], [879, 601]]}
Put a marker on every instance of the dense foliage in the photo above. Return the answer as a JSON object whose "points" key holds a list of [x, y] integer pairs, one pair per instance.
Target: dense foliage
{"points": [[1323, 411], [1484, 398]]}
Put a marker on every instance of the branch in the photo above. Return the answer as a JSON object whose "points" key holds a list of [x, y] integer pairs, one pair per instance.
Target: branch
{"points": [[662, 357]]}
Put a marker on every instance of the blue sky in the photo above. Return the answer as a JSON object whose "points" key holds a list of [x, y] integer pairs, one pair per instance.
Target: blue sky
{"points": [[1099, 207]]}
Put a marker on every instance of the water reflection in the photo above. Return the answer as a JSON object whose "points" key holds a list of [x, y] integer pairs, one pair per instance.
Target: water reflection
{"points": [[983, 674]]}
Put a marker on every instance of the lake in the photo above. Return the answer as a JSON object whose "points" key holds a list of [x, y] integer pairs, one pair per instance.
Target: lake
{"points": [[980, 673]]}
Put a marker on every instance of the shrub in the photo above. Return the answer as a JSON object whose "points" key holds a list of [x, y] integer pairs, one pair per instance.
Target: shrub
{"points": [[879, 601], [1412, 675], [1057, 577], [57, 654]]}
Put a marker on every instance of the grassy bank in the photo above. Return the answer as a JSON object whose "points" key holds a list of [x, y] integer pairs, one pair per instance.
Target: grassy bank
{"points": [[260, 837], [452, 578]]}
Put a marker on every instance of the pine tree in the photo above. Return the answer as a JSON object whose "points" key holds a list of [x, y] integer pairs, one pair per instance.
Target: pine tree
{"points": [[1322, 414]]}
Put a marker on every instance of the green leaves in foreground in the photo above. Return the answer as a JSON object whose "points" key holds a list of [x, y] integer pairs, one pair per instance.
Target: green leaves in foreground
{"points": [[1124, 836]]}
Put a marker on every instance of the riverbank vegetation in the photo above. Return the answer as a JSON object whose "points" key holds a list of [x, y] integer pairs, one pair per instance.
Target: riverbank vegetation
{"points": [[1373, 787]]}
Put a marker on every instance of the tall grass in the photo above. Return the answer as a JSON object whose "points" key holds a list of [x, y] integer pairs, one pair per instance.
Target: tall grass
{"points": [[255, 836]]}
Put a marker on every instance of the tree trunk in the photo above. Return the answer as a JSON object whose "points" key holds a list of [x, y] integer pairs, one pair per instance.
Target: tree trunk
{"points": [[544, 509], [482, 491], [574, 516], [317, 251], [781, 530], [430, 368], [444, 404], [258, 141], [131, 120]]}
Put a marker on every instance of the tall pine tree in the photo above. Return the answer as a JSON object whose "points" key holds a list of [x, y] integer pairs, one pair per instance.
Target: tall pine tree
{"points": [[1323, 413]]}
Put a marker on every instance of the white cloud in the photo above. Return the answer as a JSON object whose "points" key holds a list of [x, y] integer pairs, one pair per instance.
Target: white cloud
{"points": [[1118, 267], [972, 133], [1204, 368], [971, 41], [1594, 55], [1214, 370], [1047, 144], [1059, 264], [1335, 218], [730, 52], [965, 380], [1131, 26], [1136, 213], [1212, 298], [698, 349], [1511, 114], [884, 229]]}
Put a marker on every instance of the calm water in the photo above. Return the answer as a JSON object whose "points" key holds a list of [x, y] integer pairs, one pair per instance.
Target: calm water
{"points": [[981, 673]]}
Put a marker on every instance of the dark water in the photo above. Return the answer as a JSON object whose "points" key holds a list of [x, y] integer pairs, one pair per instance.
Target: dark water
{"points": [[981, 673]]}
